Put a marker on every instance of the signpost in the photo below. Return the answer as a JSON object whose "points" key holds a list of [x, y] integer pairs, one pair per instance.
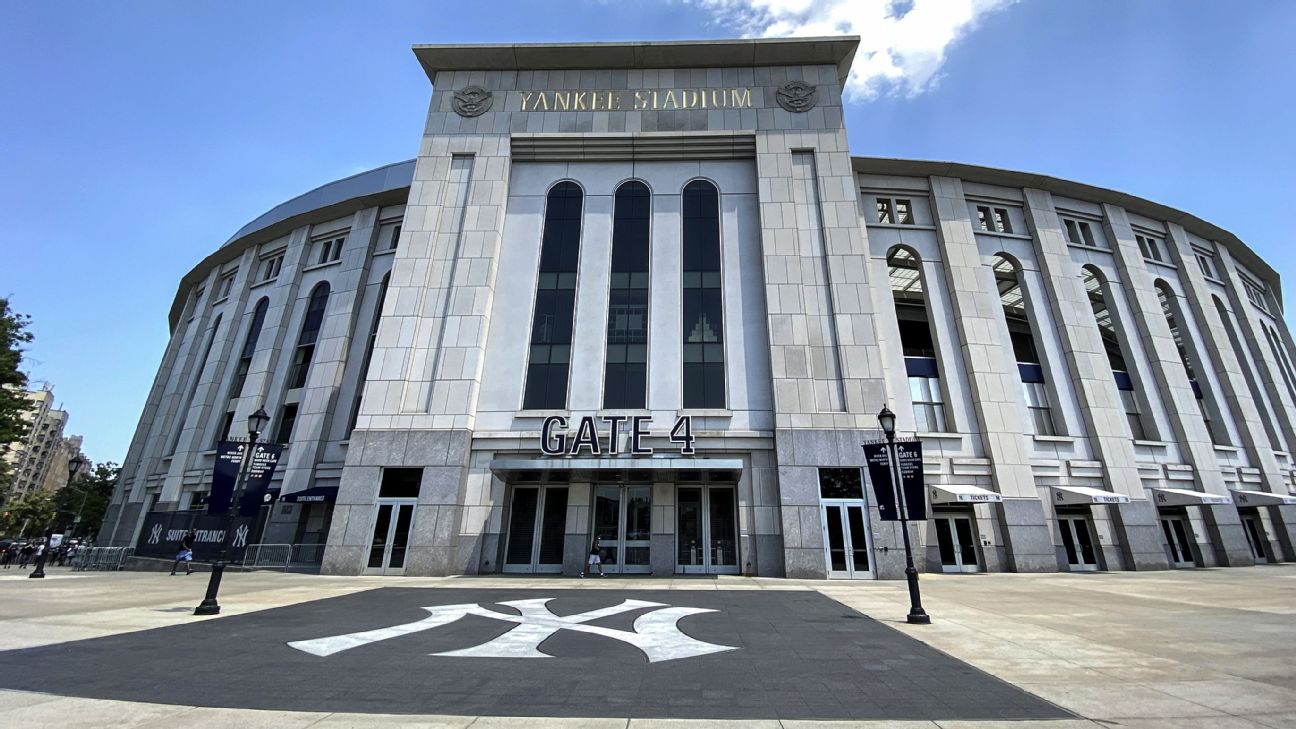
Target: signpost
{"points": [[896, 472]]}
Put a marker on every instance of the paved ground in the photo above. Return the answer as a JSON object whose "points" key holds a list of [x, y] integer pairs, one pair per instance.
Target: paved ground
{"points": [[1201, 648]]}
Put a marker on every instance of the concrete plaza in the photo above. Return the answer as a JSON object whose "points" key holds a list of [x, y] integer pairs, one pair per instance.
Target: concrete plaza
{"points": [[1199, 648]]}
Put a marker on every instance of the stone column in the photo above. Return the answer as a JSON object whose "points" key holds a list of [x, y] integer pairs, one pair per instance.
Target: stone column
{"points": [[994, 381], [1109, 433]]}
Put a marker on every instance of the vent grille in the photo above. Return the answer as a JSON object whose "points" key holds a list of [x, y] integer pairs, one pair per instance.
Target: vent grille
{"points": [[637, 147]]}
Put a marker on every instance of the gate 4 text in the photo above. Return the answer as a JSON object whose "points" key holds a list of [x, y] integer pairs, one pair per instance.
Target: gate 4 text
{"points": [[556, 440]]}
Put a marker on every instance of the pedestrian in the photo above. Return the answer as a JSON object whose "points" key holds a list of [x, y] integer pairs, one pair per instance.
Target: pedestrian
{"points": [[10, 551], [595, 557], [25, 555], [186, 552]]}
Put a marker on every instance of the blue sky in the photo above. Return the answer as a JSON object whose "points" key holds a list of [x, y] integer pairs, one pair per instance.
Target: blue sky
{"points": [[135, 137]]}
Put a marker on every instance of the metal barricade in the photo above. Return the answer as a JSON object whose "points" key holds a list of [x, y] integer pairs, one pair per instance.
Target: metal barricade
{"points": [[267, 556], [101, 558], [306, 555]]}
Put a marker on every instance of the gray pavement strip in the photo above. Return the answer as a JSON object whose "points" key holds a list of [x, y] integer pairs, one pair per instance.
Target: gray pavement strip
{"points": [[729, 654]]}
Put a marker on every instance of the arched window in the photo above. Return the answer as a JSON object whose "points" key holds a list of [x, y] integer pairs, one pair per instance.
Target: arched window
{"points": [[1281, 359], [244, 364], [1093, 284], [1248, 374], [704, 375], [916, 341], [1201, 389], [555, 303], [183, 413], [625, 381], [309, 335], [369, 348], [1029, 367]]}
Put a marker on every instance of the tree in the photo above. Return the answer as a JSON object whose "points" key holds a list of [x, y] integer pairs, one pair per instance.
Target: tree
{"points": [[89, 495], [29, 515], [13, 382]]}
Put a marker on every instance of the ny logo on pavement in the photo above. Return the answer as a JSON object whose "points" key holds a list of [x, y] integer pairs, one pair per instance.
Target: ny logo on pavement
{"points": [[656, 633]]}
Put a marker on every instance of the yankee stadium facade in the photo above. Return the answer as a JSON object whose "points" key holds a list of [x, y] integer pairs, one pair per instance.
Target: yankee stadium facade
{"points": [[643, 292]]}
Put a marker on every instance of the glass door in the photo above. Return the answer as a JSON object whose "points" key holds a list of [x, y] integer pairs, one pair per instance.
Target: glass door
{"points": [[956, 541], [1178, 545], [706, 530], [846, 539], [623, 521], [390, 537], [1255, 534], [1077, 540], [537, 522]]}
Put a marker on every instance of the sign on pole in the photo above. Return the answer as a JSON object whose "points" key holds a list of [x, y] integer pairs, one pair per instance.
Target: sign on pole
{"points": [[909, 454], [265, 457], [229, 458]]}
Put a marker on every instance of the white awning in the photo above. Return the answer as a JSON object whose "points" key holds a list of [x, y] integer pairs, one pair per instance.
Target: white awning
{"points": [[1261, 498], [961, 494], [1184, 497], [1085, 495]]}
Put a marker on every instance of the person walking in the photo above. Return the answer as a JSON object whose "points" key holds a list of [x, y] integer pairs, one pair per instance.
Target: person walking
{"points": [[25, 555], [595, 557], [10, 551], [186, 552]]}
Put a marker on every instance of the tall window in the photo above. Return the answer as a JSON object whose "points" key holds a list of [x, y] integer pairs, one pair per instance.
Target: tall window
{"points": [[1201, 390], [1093, 284], [1248, 374], [193, 386], [916, 340], [1029, 367], [368, 355], [309, 335], [704, 376], [244, 364], [625, 383], [551, 328]]}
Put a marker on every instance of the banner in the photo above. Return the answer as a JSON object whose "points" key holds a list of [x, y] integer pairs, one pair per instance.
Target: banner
{"points": [[257, 492], [909, 455], [163, 531], [229, 458]]}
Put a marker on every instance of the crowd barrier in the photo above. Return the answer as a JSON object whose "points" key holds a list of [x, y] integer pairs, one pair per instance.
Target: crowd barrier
{"points": [[101, 558], [283, 556]]}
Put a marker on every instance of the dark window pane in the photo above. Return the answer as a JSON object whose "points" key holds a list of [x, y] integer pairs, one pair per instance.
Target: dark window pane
{"points": [[287, 418], [702, 298], [254, 329], [840, 483], [546, 385], [314, 314], [400, 483]]}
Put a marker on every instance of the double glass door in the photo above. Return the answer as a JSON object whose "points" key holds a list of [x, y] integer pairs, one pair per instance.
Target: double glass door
{"points": [[956, 541], [623, 524], [1255, 534], [706, 530], [1077, 540], [387, 548], [537, 522], [846, 538], [1178, 544]]}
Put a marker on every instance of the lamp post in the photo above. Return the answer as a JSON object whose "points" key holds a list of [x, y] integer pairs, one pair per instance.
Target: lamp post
{"points": [[74, 465], [209, 606], [886, 419]]}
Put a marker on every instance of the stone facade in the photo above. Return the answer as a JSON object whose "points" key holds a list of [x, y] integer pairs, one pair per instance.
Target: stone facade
{"points": [[409, 404]]}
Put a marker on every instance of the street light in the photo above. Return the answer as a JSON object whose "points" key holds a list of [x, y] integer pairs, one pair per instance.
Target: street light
{"points": [[74, 465], [256, 423], [886, 419]]}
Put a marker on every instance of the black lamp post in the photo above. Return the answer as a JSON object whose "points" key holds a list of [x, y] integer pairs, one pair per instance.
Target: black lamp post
{"points": [[74, 465], [256, 422], [886, 419]]}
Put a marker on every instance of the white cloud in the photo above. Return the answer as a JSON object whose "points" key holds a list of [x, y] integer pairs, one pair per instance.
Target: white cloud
{"points": [[903, 43]]}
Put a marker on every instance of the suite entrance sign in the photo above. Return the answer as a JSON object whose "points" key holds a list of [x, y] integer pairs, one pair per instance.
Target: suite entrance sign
{"points": [[601, 436], [909, 455]]}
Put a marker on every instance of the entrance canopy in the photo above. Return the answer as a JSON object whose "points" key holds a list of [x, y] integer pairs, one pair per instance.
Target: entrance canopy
{"points": [[1184, 497], [314, 495], [1261, 498], [962, 494], [1085, 495]]}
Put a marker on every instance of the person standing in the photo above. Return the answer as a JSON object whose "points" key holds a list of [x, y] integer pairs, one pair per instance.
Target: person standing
{"points": [[186, 552], [595, 557], [25, 555]]}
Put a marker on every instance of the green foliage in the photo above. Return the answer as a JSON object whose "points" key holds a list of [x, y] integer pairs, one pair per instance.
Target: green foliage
{"points": [[29, 515], [89, 495], [13, 383]]}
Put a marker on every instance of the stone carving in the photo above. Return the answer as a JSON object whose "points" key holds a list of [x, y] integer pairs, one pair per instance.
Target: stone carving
{"points": [[656, 633], [797, 96], [472, 101]]}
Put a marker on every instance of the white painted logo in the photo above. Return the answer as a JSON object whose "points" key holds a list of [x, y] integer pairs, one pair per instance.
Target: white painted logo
{"points": [[656, 633], [155, 535], [240, 536]]}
